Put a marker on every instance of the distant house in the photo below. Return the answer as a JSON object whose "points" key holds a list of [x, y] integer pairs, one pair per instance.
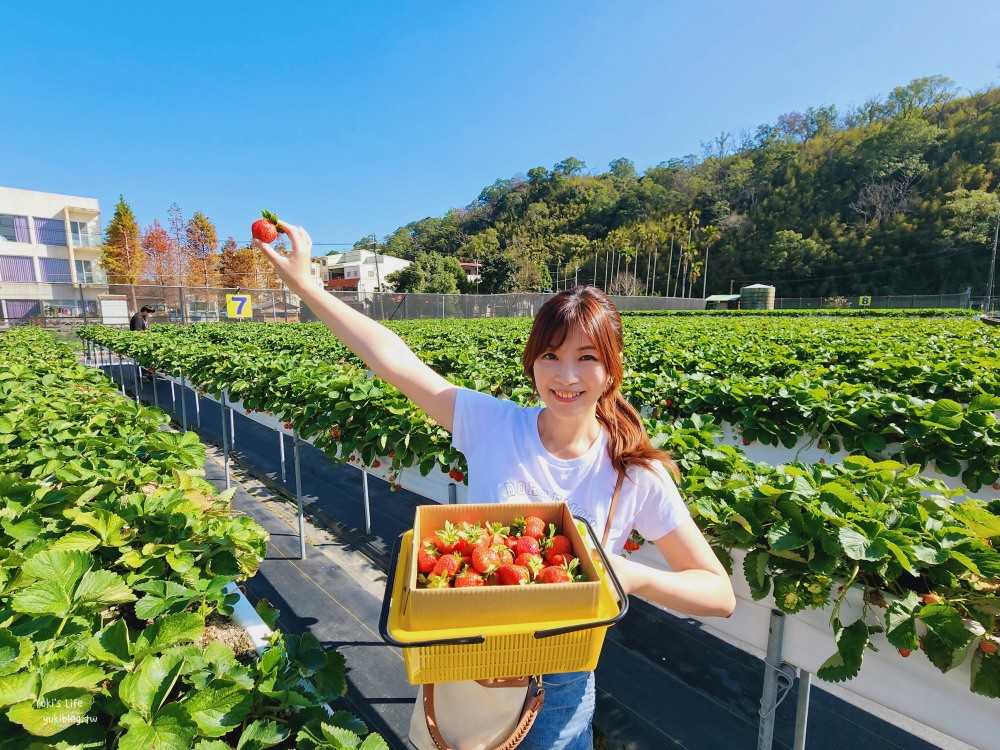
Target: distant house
{"points": [[358, 270], [472, 271], [722, 302]]}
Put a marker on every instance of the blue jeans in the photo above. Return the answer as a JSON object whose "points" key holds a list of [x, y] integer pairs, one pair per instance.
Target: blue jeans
{"points": [[566, 719]]}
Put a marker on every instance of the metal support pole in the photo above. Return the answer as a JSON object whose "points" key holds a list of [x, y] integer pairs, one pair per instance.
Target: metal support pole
{"points": [[173, 401], [232, 428], [769, 696], [368, 512], [197, 409], [802, 710], [184, 411], [225, 446], [452, 493], [121, 373], [135, 379], [156, 392], [298, 496], [281, 452]]}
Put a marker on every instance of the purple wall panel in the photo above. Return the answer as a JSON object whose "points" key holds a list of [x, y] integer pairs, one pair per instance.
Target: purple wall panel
{"points": [[23, 308], [16, 268], [50, 231], [55, 270]]}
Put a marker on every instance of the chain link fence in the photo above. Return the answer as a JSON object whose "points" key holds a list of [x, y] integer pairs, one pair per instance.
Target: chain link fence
{"points": [[67, 306]]}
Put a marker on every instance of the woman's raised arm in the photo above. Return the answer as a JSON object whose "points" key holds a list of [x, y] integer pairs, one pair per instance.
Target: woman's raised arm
{"points": [[383, 351]]}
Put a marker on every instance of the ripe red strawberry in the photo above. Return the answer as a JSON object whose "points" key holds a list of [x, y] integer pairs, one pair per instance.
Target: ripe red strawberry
{"points": [[559, 558], [532, 526], [266, 229], [376, 463], [445, 539], [533, 563], [987, 647], [526, 545], [427, 557], [468, 578], [485, 559], [447, 566], [458, 475], [558, 544], [554, 574], [631, 546], [904, 652], [513, 575]]}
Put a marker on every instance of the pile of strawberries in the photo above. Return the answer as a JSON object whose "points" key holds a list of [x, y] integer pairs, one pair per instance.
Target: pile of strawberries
{"points": [[491, 554]]}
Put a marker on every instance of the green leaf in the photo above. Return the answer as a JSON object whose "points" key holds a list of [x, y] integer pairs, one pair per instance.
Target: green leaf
{"points": [[373, 742], [56, 714], [25, 528], [145, 689], [75, 540], [15, 652], [946, 623], [260, 734], [901, 622], [99, 588], [84, 676], [946, 413], [859, 547], [331, 680], [45, 598], [977, 518], [183, 627], [755, 570], [18, 687], [846, 663], [268, 613], [171, 729], [112, 645], [219, 707], [783, 538], [986, 674]]}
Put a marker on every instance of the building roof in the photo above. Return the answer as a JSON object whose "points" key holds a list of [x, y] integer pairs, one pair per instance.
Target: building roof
{"points": [[722, 297], [341, 284]]}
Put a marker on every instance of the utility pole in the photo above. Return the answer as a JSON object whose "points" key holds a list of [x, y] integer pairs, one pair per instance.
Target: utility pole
{"points": [[993, 265]]}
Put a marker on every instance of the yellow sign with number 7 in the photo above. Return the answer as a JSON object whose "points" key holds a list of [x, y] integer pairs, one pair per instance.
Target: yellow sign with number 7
{"points": [[239, 306]]}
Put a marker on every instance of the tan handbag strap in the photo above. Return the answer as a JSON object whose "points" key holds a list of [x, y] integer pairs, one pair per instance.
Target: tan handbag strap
{"points": [[611, 510], [532, 705]]}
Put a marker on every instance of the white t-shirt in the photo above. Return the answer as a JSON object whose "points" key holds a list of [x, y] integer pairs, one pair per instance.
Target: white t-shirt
{"points": [[508, 463]]}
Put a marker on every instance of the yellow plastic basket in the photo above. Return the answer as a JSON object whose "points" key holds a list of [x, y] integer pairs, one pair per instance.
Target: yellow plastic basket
{"points": [[523, 649]]}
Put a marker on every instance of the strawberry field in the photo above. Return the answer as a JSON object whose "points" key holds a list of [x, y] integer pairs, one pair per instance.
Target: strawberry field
{"points": [[114, 551], [905, 397]]}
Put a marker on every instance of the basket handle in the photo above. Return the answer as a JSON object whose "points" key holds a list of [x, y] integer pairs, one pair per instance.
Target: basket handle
{"points": [[622, 596], [383, 620]]}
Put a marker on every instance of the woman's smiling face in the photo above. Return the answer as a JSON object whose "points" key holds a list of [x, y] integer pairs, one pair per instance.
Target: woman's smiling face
{"points": [[571, 378]]}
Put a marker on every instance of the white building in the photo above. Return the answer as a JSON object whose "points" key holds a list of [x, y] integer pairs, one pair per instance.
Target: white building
{"points": [[358, 270], [49, 254]]}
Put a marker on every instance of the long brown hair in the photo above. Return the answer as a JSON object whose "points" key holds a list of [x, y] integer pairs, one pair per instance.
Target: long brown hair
{"points": [[595, 314]]}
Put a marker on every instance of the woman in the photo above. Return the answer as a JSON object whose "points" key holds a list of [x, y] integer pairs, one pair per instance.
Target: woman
{"points": [[571, 450]]}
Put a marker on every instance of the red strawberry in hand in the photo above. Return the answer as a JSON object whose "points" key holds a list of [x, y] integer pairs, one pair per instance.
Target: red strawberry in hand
{"points": [[266, 229]]}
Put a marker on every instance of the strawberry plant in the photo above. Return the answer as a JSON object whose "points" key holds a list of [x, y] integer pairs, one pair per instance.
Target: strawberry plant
{"points": [[810, 531], [113, 551]]}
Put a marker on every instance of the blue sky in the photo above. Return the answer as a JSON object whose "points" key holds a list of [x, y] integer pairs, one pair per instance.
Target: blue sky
{"points": [[357, 118]]}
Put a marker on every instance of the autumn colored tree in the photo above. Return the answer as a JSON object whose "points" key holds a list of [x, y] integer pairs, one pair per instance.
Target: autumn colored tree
{"points": [[201, 243], [245, 267], [122, 255], [161, 255]]}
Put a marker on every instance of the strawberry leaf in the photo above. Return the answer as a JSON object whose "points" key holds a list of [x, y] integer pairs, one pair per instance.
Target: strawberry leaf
{"points": [[846, 663], [986, 674], [901, 622], [946, 623]]}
